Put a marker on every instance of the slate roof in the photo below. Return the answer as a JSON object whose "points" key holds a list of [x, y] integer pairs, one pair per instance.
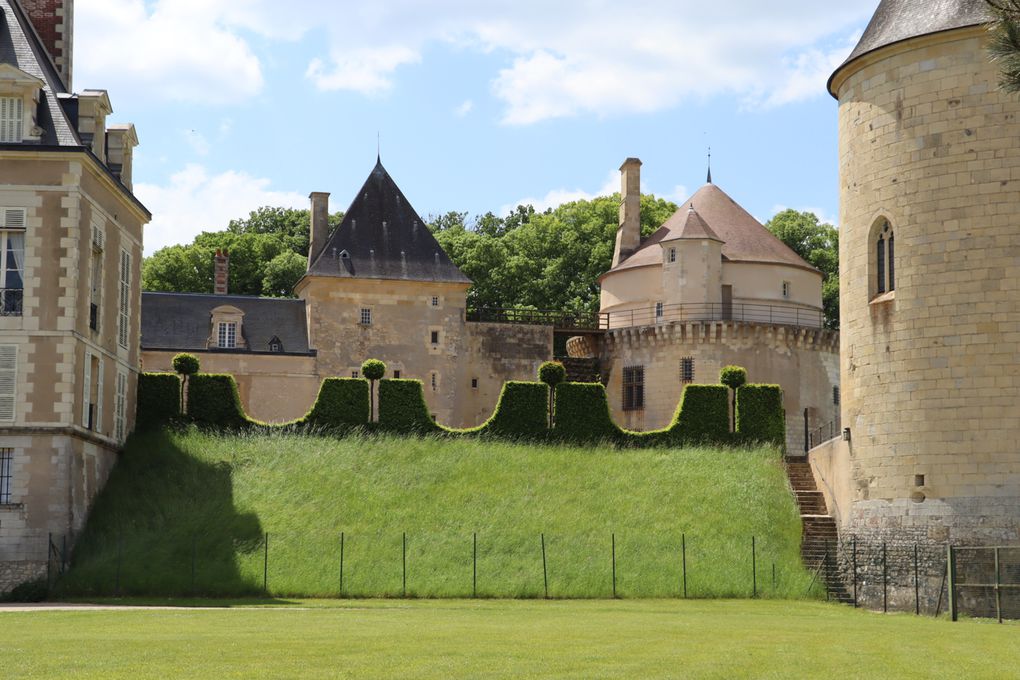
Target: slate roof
{"points": [[21, 47], [384, 238], [898, 20], [744, 238], [183, 321]]}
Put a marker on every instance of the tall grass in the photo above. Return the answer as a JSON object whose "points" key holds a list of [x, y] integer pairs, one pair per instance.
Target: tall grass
{"points": [[188, 513]]}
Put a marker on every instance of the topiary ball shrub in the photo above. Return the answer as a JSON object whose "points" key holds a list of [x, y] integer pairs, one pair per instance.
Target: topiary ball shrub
{"points": [[186, 364], [733, 377], [373, 369], [552, 373]]}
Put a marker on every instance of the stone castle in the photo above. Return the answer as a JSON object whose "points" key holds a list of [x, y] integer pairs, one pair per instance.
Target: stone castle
{"points": [[921, 384]]}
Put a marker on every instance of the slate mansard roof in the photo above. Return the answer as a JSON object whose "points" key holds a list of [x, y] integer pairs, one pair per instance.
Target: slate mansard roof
{"points": [[382, 237], [898, 20], [21, 47], [183, 322]]}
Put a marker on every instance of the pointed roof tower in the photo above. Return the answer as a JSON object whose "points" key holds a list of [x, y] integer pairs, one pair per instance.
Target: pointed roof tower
{"points": [[383, 237], [694, 227], [898, 20]]}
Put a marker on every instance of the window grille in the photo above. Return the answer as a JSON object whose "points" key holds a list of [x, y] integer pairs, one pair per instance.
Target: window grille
{"points": [[435, 381], [227, 334], [123, 328], [835, 395], [435, 301], [6, 475], [366, 316], [12, 119], [660, 311], [435, 337], [120, 407], [8, 381], [634, 388], [687, 370]]}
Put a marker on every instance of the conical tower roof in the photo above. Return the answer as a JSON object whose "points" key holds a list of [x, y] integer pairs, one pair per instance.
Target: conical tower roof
{"points": [[383, 237], [898, 20]]}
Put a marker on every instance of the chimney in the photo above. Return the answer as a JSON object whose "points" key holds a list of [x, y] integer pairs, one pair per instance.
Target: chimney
{"points": [[222, 272], [319, 228], [54, 22], [121, 141], [628, 236]]}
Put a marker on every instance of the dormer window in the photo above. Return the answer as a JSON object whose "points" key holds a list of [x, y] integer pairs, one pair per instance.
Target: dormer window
{"points": [[12, 120], [227, 335], [344, 255], [227, 328], [275, 345]]}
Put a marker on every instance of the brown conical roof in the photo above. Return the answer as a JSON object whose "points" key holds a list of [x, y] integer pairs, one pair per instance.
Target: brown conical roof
{"points": [[744, 238], [692, 227]]}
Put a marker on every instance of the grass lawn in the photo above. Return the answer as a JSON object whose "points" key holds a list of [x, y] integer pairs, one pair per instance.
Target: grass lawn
{"points": [[498, 638], [188, 512]]}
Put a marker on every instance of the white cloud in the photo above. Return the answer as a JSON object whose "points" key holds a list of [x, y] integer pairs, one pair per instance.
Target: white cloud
{"points": [[197, 141], [558, 197], [464, 109], [561, 59], [194, 201]]}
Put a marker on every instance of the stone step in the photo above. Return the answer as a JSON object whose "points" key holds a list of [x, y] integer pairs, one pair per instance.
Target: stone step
{"points": [[811, 502]]}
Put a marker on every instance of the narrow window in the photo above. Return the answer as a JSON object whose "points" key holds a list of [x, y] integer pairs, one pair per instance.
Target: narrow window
{"points": [[396, 375], [659, 311], [435, 301], [12, 260], [435, 381], [435, 337], [881, 264], [835, 395], [687, 370], [474, 383], [8, 381], [786, 289], [366, 316], [892, 263], [98, 239], [671, 255], [12, 119], [125, 299], [6, 474], [92, 392], [120, 407], [355, 374], [634, 388], [227, 335]]}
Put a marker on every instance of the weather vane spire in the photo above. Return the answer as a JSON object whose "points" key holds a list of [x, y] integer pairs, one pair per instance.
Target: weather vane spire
{"points": [[378, 147], [709, 165]]}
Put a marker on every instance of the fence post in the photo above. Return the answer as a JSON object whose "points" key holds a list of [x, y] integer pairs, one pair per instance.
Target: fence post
{"points": [[120, 556], [614, 565], [265, 567], [754, 569], [807, 433], [854, 560], [474, 565], [49, 560], [341, 564], [885, 581], [998, 589], [917, 585], [951, 567], [683, 553], [773, 578], [403, 564], [545, 572]]}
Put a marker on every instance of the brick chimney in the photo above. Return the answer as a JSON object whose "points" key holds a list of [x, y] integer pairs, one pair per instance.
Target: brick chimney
{"points": [[222, 272], [628, 236], [54, 22], [319, 227]]}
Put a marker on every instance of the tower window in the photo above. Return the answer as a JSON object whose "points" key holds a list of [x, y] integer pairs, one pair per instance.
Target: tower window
{"points": [[671, 255], [435, 337], [786, 290], [884, 256], [435, 381], [396, 374], [634, 388], [6, 474], [474, 383], [835, 395], [435, 301], [687, 370], [659, 311], [366, 316]]}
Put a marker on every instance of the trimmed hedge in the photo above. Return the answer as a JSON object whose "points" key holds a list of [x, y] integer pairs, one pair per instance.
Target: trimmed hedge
{"points": [[213, 400], [760, 414], [522, 411], [703, 415], [582, 414], [159, 399], [402, 407], [342, 403]]}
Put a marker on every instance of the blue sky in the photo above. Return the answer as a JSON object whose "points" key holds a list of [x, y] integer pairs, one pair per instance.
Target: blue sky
{"points": [[479, 105]]}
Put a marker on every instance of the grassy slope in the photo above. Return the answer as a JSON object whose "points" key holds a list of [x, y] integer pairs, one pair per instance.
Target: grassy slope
{"points": [[175, 495], [603, 639]]}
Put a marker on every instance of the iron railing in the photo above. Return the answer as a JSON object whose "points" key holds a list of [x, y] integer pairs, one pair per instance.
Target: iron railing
{"points": [[785, 315], [565, 320], [11, 301]]}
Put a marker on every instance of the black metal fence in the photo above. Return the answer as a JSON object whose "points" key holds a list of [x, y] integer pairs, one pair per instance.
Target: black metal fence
{"points": [[984, 582], [785, 315]]}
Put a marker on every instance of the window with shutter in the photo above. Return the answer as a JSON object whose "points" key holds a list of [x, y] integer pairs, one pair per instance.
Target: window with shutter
{"points": [[125, 299], [100, 366], [98, 241], [120, 407], [8, 381], [12, 119], [86, 395]]}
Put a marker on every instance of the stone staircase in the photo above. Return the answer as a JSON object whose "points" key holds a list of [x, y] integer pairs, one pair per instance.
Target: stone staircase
{"points": [[820, 541], [582, 370]]}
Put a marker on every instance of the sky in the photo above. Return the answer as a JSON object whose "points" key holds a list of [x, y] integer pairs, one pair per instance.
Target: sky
{"points": [[476, 106]]}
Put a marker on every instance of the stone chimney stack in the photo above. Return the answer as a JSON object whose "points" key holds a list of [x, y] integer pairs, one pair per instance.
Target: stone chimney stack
{"points": [[319, 228], [54, 22], [628, 236], [222, 272]]}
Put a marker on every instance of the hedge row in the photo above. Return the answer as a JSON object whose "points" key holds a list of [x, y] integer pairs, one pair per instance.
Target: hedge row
{"points": [[581, 411]]}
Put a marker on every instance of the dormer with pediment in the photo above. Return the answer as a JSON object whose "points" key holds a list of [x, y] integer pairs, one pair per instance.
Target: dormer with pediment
{"points": [[19, 106], [227, 328]]}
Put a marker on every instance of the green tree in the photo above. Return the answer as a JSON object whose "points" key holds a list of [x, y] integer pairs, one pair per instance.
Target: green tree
{"points": [[818, 244], [282, 273], [1004, 45]]}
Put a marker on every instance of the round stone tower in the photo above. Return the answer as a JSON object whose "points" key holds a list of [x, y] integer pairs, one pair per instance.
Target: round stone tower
{"points": [[929, 153]]}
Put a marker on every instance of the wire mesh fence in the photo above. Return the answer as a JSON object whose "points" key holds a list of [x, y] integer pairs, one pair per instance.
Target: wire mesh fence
{"points": [[984, 582], [439, 565]]}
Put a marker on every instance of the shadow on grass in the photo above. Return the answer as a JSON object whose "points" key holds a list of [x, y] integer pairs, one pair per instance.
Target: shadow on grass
{"points": [[166, 525]]}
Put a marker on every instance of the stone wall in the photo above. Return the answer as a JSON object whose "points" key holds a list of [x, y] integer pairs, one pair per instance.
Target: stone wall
{"points": [[931, 380], [15, 573], [803, 361]]}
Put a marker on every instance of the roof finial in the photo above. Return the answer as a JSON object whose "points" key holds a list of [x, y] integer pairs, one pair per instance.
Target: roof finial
{"points": [[709, 165], [378, 147]]}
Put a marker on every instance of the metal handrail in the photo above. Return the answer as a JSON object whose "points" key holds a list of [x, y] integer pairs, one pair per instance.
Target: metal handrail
{"points": [[784, 315], [535, 317]]}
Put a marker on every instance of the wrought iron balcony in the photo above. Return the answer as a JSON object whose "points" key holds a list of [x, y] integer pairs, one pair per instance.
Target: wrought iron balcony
{"points": [[11, 301]]}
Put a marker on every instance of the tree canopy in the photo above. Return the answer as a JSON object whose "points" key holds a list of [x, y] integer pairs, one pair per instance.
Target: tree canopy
{"points": [[818, 243], [1004, 46]]}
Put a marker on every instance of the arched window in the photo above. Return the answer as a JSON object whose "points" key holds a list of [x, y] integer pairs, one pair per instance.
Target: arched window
{"points": [[883, 254]]}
